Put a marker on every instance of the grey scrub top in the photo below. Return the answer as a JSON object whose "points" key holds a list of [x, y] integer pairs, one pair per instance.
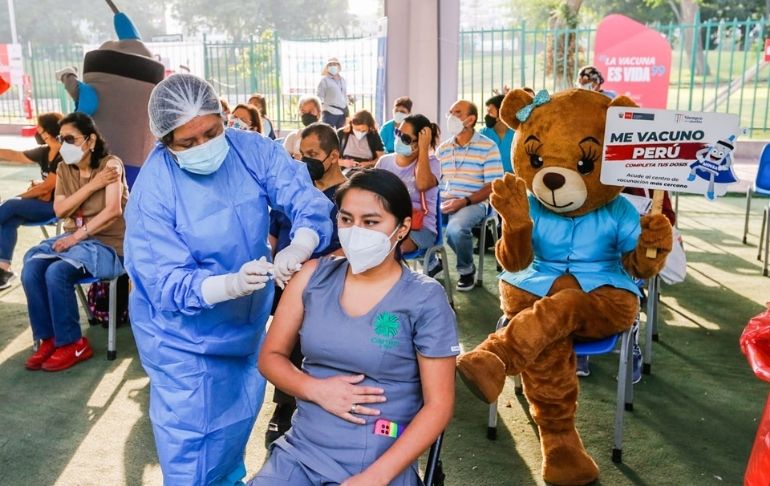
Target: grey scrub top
{"points": [[413, 317]]}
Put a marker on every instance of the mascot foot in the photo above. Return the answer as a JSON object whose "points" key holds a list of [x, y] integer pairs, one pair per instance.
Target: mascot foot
{"points": [[483, 373], [565, 460], [691, 177]]}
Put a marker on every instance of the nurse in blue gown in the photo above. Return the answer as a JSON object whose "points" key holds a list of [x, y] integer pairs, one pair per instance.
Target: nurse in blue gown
{"points": [[197, 254]]}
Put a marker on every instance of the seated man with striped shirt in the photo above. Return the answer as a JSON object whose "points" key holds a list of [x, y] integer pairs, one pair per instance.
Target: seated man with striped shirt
{"points": [[469, 163]]}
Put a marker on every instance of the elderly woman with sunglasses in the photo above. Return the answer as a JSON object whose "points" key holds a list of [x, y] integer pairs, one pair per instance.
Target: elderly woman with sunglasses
{"points": [[420, 171], [90, 195]]}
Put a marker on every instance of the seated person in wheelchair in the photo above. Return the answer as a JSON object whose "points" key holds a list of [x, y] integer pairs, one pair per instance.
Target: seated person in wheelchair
{"points": [[376, 386], [420, 171], [91, 193]]}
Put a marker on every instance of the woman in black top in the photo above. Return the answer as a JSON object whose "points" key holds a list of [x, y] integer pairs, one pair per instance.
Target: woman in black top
{"points": [[35, 205]]}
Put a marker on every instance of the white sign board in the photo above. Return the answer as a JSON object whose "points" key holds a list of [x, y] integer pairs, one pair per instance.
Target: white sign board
{"points": [[302, 63], [670, 150]]}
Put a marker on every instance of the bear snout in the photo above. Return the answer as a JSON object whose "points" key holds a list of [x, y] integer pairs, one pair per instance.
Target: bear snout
{"points": [[553, 181]]}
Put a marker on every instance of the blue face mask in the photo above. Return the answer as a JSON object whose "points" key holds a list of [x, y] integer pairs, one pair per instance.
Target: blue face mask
{"points": [[205, 158], [402, 149]]}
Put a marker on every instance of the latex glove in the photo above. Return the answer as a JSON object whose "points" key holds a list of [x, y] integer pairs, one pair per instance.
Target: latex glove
{"points": [[755, 344], [290, 259], [61, 73], [252, 276]]}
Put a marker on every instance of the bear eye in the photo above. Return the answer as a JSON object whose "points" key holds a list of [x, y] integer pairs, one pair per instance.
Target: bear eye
{"points": [[535, 161], [587, 160], [585, 166]]}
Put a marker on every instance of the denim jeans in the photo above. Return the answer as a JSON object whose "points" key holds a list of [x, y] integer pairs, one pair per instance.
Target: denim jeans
{"points": [[53, 308], [460, 237], [14, 213], [336, 121]]}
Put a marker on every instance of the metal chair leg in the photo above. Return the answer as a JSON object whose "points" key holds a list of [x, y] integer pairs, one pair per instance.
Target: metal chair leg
{"points": [[761, 234], [621, 406], [748, 210], [766, 218], [113, 318], [434, 462], [482, 250], [650, 325], [447, 279]]}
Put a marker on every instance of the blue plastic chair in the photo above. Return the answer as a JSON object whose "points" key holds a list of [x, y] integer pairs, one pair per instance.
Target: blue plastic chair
{"points": [[761, 186], [43, 224], [438, 247], [625, 388]]}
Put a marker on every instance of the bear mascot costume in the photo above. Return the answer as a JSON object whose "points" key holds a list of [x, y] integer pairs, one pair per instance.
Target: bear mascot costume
{"points": [[568, 246], [118, 78]]}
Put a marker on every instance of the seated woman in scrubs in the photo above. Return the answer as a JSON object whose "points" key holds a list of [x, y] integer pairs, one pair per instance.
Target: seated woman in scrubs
{"points": [[197, 253], [377, 383]]}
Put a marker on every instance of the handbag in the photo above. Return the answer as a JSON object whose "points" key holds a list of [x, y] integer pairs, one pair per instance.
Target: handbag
{"points": [[418, 214]]}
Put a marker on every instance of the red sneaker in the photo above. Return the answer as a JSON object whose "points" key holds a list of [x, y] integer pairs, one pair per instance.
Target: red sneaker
{"points": [[69, 355], [44, 351]]}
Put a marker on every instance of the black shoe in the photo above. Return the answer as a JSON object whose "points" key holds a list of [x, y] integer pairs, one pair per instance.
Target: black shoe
{"points": [[467, 282], [437, 268], [280, 422], [6, 277]]}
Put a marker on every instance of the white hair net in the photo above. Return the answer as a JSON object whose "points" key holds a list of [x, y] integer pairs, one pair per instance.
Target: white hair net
{"points": [[178, 99]]}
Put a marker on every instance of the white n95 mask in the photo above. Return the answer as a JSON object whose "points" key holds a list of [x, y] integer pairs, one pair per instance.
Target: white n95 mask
{"points": [[71, 153], [454, 125], [364, 248], [205, 158]]}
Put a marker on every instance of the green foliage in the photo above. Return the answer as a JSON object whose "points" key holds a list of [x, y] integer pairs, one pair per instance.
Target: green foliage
{"points": [[77, 21], [239, 19]]}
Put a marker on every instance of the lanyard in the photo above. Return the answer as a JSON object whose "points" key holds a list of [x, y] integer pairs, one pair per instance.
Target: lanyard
{"points": [[465, 154]]}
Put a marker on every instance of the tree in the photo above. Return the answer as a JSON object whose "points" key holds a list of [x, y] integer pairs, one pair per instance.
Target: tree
{"points": [[562, 56], [50, 22], [239, 19]]}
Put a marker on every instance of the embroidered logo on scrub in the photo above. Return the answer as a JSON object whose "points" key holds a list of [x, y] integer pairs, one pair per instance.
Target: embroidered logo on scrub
{"points": [[386, 327]]}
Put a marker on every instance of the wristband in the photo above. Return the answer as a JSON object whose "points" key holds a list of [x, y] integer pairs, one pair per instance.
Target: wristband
{"points": [[468, 201]]}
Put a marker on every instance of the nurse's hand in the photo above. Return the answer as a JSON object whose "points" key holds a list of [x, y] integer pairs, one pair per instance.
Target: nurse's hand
{"points": [[252, 276], [289, 260], [339, 395]]}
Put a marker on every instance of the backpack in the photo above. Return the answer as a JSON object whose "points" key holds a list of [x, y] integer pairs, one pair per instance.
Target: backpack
{"points": [[99, 302]]}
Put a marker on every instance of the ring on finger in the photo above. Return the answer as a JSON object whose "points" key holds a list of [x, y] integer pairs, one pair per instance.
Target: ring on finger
{"points": [[353, 408]]}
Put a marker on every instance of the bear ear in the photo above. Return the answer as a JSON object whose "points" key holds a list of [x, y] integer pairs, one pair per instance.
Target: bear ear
{"points": [[623, 101], [515, 100]]}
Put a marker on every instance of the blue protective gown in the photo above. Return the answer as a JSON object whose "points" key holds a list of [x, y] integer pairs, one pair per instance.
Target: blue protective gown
{"points": [[181, 228]]}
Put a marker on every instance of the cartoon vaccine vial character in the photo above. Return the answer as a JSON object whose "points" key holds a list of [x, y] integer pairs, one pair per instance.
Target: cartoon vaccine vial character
{"points": [[714, 163]]}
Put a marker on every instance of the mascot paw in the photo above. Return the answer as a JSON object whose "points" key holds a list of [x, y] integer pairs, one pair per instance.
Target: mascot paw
{"points": [[656, 233], [509, 198], [483, 373], [565, 460]]}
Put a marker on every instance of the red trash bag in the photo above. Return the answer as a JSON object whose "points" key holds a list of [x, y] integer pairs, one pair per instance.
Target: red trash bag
{"points": [[755, 344]]}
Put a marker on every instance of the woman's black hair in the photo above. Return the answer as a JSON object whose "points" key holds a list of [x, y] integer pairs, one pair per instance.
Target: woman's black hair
{"points": [[49, 122], [85, 125], [418, 122], [388, 188]]}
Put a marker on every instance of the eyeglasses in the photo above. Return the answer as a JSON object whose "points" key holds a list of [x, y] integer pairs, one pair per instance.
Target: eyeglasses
{"points": [[70, 139], [405, 137]]}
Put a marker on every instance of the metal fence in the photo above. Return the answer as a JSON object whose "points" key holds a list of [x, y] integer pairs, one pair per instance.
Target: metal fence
{"points": [[728, 74], [237, 70]]}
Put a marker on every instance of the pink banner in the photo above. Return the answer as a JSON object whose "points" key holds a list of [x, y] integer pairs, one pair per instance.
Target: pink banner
{"points": [[635, 60]]}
